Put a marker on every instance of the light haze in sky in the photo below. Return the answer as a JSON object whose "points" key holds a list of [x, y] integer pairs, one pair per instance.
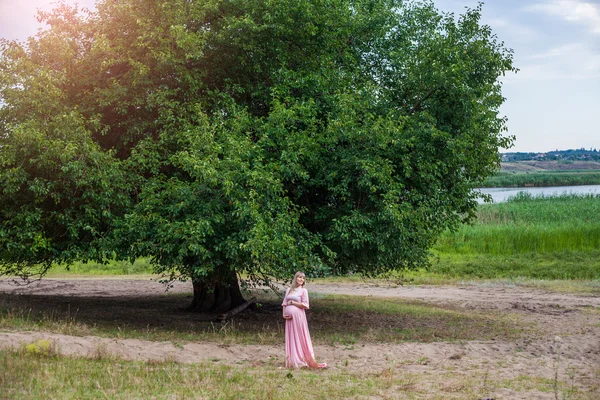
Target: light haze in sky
{"points": [[552, 103]]}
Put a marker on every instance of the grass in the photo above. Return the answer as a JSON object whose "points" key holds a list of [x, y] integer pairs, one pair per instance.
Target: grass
{"points": [[543, 179], [525, 208], [34, 376], [534, 237], [25, 376], [373, 320], [527, 224], [141, 267], [563, 265], [448, 275], [393, 321]]}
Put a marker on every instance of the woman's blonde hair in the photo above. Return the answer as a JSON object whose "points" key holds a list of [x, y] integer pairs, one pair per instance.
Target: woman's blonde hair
{"points": [[295, 282]]}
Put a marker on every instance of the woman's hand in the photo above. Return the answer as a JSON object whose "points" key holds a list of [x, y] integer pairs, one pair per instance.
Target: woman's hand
{"points": [[296, 303]]}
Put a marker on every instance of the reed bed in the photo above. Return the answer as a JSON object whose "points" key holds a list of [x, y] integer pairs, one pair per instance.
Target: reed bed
{"points": [[554, 237], [526, 224]]}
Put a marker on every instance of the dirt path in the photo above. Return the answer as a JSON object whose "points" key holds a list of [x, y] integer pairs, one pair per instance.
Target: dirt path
{"points": [[568, 324], [472, 296]]}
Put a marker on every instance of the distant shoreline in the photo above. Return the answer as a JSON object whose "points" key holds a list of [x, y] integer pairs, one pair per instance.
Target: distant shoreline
{"points": [[545, 174], [548, 166]]}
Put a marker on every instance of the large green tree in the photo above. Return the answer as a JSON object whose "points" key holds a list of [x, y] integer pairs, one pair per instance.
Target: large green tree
{"points": [[254, 137]]}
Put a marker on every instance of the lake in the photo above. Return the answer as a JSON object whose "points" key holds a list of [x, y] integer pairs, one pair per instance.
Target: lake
{"points": [[501, 194]]}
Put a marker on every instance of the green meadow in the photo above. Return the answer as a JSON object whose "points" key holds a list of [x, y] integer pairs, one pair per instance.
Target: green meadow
{"points": [[141, 266], [46, 376], [533, 237]]}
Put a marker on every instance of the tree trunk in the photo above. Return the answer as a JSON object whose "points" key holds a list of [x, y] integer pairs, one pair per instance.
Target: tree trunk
{"points": [[217, 293]]}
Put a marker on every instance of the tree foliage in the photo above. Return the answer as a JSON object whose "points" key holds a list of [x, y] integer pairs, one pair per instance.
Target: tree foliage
{"points": [[255, 136]]}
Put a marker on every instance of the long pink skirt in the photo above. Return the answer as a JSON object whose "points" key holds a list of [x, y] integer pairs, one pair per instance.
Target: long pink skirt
{"points": [[298, 346]]}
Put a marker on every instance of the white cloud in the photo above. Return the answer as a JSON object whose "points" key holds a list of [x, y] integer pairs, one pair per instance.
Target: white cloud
{"points": [[565, 50], [568, 61], [511, 31], [497, 22], [577, 11]]}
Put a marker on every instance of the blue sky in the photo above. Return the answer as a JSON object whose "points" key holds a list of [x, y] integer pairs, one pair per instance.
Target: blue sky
{"points": [[552, 103]]}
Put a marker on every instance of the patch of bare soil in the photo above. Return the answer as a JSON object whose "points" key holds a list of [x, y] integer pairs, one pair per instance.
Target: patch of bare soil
{"points": [[565, 324]]}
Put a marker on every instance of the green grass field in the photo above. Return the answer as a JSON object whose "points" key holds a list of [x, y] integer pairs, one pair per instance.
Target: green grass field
{"points": [[533, 237], [139, 267], [33, 376]]}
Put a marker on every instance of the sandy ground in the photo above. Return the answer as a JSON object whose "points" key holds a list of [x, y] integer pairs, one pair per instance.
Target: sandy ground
{"points": [[567, 325]]}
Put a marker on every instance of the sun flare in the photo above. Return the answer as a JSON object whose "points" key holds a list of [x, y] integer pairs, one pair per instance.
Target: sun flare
{"points": [[18, 18]]}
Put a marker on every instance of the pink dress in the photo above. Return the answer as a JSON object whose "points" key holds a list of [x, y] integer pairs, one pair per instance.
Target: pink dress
{"points": [[298, 346]]}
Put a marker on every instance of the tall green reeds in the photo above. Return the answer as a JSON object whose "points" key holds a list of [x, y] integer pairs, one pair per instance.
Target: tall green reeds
{"points": [[553, 237], [527, 224]]}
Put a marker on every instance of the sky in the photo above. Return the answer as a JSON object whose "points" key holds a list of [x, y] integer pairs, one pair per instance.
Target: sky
{"points": [[552, 103]]}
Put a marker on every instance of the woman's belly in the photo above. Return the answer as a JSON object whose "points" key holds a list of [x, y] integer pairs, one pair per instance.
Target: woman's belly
{"points": [[291, 311]]}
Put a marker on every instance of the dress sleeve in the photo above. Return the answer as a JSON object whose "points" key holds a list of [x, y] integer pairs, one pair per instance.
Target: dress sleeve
{"points": [[304, 299], [283, 303]]}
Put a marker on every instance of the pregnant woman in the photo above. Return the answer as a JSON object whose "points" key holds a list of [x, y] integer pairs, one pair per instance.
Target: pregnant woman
{"points": [[298, 346]]}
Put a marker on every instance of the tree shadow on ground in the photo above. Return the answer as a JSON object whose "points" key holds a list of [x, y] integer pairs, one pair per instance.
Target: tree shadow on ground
{"points": [[162, 317], [157, 313]]}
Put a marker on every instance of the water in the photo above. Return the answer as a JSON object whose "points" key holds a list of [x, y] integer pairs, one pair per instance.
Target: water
{"points": [[501, 194]]}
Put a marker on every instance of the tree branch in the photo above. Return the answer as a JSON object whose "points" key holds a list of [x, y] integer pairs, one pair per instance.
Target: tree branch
{"points": [[234, 311], [418, 103]]}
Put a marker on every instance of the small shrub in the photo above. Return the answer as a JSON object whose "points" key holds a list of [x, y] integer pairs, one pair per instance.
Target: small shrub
{"points": [[40, 348]]}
